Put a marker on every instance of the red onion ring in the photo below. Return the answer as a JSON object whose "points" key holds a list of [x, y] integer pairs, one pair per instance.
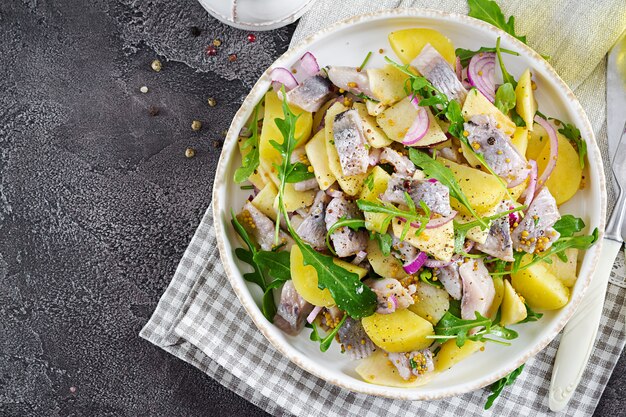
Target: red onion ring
{"points": [[311, 317], [554, 153], [458, 69], [469, 245], [420, 125], [532, 184], [434, 263], [415, 265], [481, 74], [435, 223], [282, 76], [305, 67]]}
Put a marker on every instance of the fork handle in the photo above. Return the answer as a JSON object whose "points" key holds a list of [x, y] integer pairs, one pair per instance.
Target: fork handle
{"points": [[580, 332]]}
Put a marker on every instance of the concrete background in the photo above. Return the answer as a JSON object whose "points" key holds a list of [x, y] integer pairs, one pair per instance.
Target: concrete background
{"points": [[98, 202]]}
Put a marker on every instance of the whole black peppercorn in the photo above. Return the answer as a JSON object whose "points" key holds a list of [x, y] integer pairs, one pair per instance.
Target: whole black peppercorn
{"points": [[195, 31]]}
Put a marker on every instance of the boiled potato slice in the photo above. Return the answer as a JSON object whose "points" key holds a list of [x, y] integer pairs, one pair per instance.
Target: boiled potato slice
{"points": [[377, 369], [376, 184], [318, 157], [396, 120], [470, 157], [564, 181], [537, 140], [483, 190], [274, 110], [513, 308], [294, 199], [450, 354], [304, 278], [498, 284], [541, 289], [431, 302], [385, 266], [564, 271], [400, 331], [408, 43], [264, 200], [387, 84], [526, 105], [520, 140], [351, 185], [318, 116], [437, 242], [375, 136], [476, 103]]}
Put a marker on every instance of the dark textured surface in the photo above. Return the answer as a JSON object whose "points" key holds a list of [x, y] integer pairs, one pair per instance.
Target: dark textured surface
{"points": [[97, 201]]}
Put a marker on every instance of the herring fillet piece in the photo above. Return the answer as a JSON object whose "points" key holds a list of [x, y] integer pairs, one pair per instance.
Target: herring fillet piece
{"points": [[499, 153], [441, 75], [401, 163], [292, 310], [390, 294], [499, 242], [263, 230], [313, 228], [354, 340], [343, 76], [311, 93], [433, 193], [350, 143], [451, 280], [538, 221], [478, 289], [346, 241]]}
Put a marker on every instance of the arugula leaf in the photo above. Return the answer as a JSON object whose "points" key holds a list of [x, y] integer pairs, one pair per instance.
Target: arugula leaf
{"points": [[354, 224], [410, 216], [262, 263], [572, 133], [427, 276], [250, 161], [345, 287], [489, 11], [505, 98], [466, 54], [453, 114], [567, 225], [517, 119], [327, 340], [384, 242], [498, 386], [364, 63], [299, 173], [435, 169], [461, 229], [531, 315], [452, 327], [506, 77], [369, 181]]}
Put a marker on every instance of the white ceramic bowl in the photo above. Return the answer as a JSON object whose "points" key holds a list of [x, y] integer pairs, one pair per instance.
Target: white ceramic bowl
{"points": [[346, 43], [257, 14]]}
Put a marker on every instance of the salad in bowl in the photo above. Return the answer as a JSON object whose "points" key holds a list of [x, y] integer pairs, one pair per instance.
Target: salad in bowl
{"points": [[409, 213]]}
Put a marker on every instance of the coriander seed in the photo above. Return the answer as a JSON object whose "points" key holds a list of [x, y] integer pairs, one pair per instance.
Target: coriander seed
{"points": [[156, 65], [212, 102], [196, 125], [190, 152], [143, 89]]}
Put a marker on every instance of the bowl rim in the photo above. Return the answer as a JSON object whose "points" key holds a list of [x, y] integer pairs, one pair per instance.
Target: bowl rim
{"points": [[266, 328]]}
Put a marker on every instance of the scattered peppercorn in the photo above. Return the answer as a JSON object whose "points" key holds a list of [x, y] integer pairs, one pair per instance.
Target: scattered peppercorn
{"points": [[143, 89], [211, 50], [196, 125], [217, 144], [251, 37], [232, 57], [195, 31], [153, 110], [217, 43], [212, 102], [190, 152], [156, 65]]}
